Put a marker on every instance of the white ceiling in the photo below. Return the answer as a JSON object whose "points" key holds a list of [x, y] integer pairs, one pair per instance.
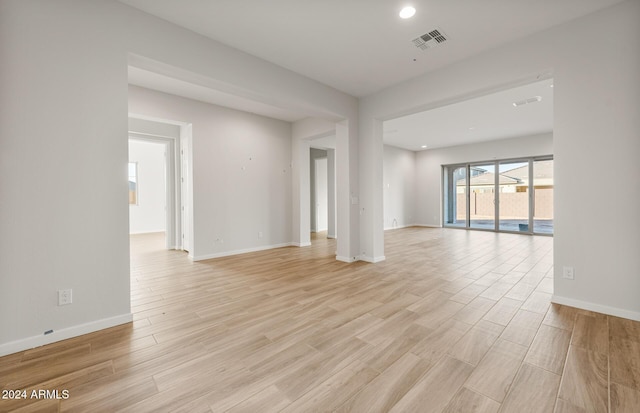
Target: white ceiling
{"points": [[485, 118], [362, 46]]}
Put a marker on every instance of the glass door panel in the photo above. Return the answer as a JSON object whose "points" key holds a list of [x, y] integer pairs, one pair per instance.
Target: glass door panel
{"points": [[482, 205], [455, 196], [543, 196], [513, 193]]}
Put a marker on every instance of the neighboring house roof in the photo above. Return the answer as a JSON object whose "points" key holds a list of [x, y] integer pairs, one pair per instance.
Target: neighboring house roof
{"points": [[543, 172], [542, 169], [489, 178]]}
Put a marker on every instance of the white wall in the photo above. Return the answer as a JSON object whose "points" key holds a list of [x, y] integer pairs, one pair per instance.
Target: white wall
{"points": [[63, 172], [596, 128], [399, 181], [71, 189], [241, 173], [149, 214], [429, 167]]}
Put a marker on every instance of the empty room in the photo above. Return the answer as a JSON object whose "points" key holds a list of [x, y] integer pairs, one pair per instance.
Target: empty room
{"points": [[362, 206]]}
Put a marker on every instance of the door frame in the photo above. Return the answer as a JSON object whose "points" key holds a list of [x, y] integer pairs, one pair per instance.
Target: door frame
{"points": [[179, 182], [315, 186]]}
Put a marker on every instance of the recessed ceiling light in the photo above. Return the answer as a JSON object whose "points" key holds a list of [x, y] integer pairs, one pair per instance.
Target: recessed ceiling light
{"points": [[407, 12], [472, 128], [551, 85], [424, 146]]}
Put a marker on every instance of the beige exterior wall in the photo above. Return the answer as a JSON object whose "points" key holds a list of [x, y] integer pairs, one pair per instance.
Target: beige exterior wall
{"points": [[513, 205]]}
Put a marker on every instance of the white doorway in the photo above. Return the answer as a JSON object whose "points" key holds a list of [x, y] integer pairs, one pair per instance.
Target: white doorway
{"points": [[175, 138], [147, 187], [321, 194]]}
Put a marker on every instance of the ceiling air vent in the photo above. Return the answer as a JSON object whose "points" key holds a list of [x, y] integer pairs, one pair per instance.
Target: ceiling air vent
{"points": [[527, 101], [430, 39]]}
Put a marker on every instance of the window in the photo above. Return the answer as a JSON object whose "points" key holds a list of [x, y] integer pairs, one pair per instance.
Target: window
{"points": [[513, 195], [133, 183]]}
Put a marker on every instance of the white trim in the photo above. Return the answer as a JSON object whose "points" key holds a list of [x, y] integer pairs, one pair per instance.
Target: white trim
{"points": [[331, 236], [400, 226], [148, 232], [63, 334], [300, 244], [598, 308], [372, 260], [413, 225], [242, 251], [347, 259]]}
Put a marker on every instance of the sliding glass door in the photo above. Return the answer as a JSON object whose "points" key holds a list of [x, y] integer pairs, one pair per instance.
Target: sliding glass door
{"points": [[543, 190], [514, 195], [482, 196], [455, 212]]}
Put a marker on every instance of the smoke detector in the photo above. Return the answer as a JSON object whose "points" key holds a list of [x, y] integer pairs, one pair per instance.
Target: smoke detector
{"points": [[430, 39]]}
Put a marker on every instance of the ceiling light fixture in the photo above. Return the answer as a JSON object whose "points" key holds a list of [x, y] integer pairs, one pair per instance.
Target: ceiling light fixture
{"points": [[407, 12], [424, 146]]}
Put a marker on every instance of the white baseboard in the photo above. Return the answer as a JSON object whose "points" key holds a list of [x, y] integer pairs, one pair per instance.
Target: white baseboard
{"points": [[63, 334], [158, 231], [300, 244], [331, 236], [399, 226], [347, 259], [598, 308], [372, 260], [413, 225], [243, 251]]}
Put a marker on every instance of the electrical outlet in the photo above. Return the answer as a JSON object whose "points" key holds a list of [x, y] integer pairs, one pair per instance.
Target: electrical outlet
{"points": [[65, 297], [568, 273]]}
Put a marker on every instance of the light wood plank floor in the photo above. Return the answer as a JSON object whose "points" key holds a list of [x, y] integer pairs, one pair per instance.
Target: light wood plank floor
{"points": [[452, 321]]}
